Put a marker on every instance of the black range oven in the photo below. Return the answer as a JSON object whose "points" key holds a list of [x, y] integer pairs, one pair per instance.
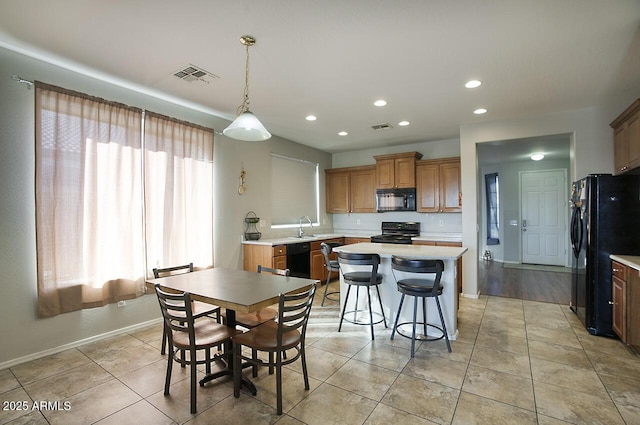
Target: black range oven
{"points": [[397, 232]]}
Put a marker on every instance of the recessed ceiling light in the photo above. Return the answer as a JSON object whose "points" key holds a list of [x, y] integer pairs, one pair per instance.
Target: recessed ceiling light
{"points": [[480, 111], [403, 123], [472, 84], [311, 118], [342, 133], [380, 102], [537, 156]]}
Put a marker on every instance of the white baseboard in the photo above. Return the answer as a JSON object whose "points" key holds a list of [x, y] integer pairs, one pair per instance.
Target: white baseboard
{"points": [[472, 296], [75, 344]]}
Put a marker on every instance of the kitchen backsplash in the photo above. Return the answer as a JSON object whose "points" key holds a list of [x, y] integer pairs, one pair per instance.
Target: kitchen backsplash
{"points": [[429, 223]]}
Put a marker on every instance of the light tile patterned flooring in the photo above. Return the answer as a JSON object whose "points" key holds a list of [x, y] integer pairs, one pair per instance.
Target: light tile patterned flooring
{"points": [[514, 362]]}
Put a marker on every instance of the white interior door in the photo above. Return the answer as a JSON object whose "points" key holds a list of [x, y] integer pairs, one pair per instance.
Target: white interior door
{"points": [[544, 229]]}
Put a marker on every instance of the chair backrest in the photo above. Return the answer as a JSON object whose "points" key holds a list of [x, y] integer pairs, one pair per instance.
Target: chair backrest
{"points": [[176, 311], [416, 265], [281, 272], [168, 271], [359, 259], [293, 312], [354, 259], [326, 249]]}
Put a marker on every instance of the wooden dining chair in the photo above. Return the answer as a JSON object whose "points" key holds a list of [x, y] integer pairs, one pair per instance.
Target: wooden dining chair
{"points": [[188, 335], [275, 338], [199, 309]]}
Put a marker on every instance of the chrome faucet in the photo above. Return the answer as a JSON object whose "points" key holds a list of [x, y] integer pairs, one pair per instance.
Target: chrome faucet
{"points": [[300, 231]]}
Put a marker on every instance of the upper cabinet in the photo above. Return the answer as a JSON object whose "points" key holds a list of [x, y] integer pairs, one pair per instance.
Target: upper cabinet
{"points": [[438, 185], [626, 139], [351, 189], [396, 170]]}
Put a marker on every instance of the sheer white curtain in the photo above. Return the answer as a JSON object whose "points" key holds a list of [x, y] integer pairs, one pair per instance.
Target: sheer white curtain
{"points": [[178, 193], [106, 213], [88, 201]]}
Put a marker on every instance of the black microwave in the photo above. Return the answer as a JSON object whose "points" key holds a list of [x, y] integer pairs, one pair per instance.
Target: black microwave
{"points": [[396, 199]]}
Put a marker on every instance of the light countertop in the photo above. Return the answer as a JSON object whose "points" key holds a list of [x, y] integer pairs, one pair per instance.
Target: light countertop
{"points": [[441, 237], [417, 251], [632, 261]]}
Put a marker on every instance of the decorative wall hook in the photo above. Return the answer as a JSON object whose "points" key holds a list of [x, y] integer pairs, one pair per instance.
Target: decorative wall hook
{"points": [[243, 186]]}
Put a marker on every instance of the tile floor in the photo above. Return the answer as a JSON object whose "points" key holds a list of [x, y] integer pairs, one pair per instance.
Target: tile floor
{"points": [[514, 362]]}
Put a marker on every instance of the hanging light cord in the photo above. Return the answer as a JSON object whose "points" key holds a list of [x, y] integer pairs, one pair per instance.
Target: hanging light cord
{"points": [[245, 102]]}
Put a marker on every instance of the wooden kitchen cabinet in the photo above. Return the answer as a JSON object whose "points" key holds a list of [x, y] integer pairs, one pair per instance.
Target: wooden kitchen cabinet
{"points": [[396, 170], [351, 189], [318, 269], [626, 303], [438, 185], [626, 139], [351, 241], [264, 255]]}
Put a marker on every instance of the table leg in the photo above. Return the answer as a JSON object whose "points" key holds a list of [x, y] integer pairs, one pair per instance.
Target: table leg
{"points": [[228, 349]]}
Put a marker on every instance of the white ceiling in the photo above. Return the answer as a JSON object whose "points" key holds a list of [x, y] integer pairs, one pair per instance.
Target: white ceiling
{"points": [[334, 58]]}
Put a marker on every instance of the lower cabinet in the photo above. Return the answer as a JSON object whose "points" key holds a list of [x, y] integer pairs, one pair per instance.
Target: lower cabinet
{"points": [[265, 255], [318, 269], [351, 241], [626, 303]]}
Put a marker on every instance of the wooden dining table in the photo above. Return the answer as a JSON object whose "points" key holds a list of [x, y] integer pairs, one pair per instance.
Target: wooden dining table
{"points": [[234, 290]]}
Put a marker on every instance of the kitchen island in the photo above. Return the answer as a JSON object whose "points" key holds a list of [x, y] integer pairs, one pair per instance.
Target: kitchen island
{"points": [[388, 290]]}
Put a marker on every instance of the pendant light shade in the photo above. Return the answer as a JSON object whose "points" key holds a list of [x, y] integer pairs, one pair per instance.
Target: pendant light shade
{"points": [[246, 126]]}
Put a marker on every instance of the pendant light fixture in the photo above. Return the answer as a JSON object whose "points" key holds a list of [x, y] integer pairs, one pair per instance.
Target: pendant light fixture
{"points": [[246, 126]]}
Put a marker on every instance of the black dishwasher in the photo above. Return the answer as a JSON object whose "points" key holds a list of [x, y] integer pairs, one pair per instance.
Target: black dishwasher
{"points": [[298, 259]]}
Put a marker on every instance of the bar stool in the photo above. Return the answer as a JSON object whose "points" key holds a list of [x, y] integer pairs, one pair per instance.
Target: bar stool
{"points": [[419, 288], [367, 279], [331, 265]]}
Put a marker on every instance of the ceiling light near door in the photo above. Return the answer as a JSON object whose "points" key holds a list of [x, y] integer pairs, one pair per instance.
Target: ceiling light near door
{"points": [[380, 102], [480, 111], [311, 118], [472, 84], [404, 123], [246, 126], [343, 133], [537, 156]]}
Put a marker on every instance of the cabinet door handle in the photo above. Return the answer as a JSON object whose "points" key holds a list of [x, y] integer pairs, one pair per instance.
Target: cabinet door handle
{"points": [[611, 303]]}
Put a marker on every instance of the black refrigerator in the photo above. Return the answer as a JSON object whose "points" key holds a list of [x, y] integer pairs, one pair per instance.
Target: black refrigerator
{"points": [[605, 219]]}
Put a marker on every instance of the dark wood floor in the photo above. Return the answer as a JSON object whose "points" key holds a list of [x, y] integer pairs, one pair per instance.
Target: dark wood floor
{"points": [[534, 285]]}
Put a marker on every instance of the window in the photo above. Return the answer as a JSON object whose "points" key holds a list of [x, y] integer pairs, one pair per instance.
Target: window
{"points": [[94, 181], [493, 208], [295, 190]]}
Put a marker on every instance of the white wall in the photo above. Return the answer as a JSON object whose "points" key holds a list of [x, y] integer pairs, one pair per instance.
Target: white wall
{"points": [[592, 147], [370, 223], [32, 336]]}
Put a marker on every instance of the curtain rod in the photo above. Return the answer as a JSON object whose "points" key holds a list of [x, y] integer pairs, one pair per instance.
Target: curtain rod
{"points": [[277, 155], [19, 79]]}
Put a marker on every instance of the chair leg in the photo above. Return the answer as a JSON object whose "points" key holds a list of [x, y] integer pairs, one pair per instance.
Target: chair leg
{"points": [[424, 315], [326, 288], [395, 325], [444, 327], [194, 380], [163, 349], [270, 363], [370, 313], [413, 331], [237, 369], [303, 359], [384, 319], [355, 310], [344, 308], [167, 380], [278, 380]]}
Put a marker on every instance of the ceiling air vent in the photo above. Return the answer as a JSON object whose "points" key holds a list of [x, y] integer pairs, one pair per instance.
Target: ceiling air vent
{"points": [[192, 73], [384, 126]]}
